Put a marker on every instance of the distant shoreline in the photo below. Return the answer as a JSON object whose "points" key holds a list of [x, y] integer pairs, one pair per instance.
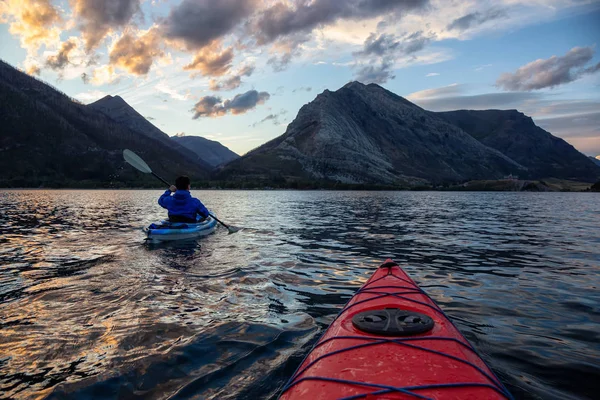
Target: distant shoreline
{"points": [[502, 185]]}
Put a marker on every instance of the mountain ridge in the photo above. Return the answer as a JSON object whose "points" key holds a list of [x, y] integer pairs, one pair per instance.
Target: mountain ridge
{"points": [[210, 151], [116, 108], [366, 134], [50, 140], [515, 134]]}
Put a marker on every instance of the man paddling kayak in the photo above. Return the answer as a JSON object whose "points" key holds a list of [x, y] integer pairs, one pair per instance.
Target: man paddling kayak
{"points": [[180, 203]]}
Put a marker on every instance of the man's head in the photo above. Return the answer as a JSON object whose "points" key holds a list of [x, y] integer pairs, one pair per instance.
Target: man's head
{"points": [[182, 183]]}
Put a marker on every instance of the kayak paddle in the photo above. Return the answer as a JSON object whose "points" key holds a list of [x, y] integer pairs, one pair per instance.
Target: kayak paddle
{"points": [[136, 162]]}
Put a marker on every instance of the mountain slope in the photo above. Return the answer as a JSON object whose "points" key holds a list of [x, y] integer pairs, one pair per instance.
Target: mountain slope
{"points": [[595, 160], [48, 139], [118, 109], [212, 152], [366, 134], [517, 136]]}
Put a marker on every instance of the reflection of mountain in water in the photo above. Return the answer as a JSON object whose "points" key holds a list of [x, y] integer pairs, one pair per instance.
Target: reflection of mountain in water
{"points": [[226, 361]]}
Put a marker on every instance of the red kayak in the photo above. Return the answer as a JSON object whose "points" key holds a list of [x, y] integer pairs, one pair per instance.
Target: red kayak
{"points": [[391, 341]]}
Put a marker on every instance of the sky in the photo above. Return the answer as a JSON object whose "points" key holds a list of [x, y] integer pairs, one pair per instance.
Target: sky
{"points": [[238, 71]]}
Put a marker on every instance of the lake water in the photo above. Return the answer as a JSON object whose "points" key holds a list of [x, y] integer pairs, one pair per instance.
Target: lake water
{"points": [[87, 310]]}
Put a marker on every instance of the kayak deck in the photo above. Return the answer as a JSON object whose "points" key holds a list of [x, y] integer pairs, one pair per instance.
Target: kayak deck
{"points": [[349, 363], [167, 231]]}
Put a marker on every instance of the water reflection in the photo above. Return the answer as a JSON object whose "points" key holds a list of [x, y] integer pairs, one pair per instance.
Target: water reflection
{"points": [[88, 309]]}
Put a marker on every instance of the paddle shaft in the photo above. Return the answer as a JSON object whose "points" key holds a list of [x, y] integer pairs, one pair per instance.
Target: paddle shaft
{"points": [[158, 177]]}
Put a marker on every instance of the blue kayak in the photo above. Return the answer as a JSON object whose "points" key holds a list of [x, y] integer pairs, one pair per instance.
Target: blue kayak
{"points": [[167, 231]]}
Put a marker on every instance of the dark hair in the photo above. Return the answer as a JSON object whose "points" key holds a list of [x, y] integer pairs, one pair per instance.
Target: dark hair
{"points": [[182, 182]]}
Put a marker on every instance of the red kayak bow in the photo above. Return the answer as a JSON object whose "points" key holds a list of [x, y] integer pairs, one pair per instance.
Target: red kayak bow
{"points": [[392, 341]]}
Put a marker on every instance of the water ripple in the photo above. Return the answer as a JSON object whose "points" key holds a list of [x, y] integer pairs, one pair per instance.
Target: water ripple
{"points": [[88, 310]]}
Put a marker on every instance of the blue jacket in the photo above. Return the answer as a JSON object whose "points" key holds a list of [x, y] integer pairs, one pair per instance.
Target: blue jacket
{"points": [[183, 204]]}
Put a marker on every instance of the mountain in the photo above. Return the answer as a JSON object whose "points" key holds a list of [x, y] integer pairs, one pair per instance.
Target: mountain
{"points": [[49, 139], [212, 152], [366, 134], [595, 160], [516, 135], [118, 109]]}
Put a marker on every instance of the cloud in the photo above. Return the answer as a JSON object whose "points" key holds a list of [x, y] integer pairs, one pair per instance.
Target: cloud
{"points": [[233, 82], [432, 74], [103, 75], [91, 96], [33, 70], [564, 107], [443, 91], [285, 49], [581, 125], [475, 102], [211, 61], [271, 117], [302, 89], [551, 72], [163, 87], [60, 60], [380, 45], [211, 106], [286, 18], [32, 20], [382, 51], [476, 18], [136, 54], [99, 17], [197, 23], [379, 74], [481, 67]]}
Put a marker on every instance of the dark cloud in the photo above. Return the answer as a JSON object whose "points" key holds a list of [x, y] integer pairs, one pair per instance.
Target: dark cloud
{"points": [[199, 22], [85, 78], [210, 61], [61, 60], [302, 89], [379, 73], [211, 106], [550, 72], [564, 107], [380, 45], [475, 102], [280, 63], [382, 51], [581, 125], [283, 19], [151, 119], [233, 82], [477, 18], [99, 16], [389, 45], [415, 42], [286, 49], [136, 54], [271, 117]]}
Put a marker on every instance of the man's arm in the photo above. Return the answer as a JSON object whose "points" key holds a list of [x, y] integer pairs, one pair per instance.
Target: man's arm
{"points": [[163, 200], [200, 209]]}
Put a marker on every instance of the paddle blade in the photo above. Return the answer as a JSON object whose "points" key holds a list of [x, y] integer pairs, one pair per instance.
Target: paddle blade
{"points": [[136, 162], [232, 229]]}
